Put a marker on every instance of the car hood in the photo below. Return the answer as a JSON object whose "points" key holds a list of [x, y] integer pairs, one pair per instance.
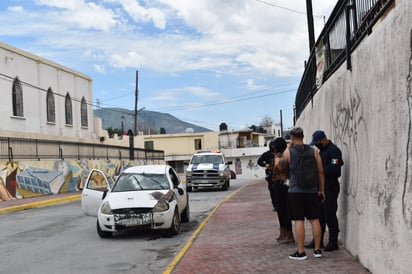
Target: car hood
{"points": [[206, 166], [133, 199]]}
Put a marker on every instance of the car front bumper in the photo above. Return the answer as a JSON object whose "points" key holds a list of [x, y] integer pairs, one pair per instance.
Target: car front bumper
{"points": [[219, 182], [118, 222]]}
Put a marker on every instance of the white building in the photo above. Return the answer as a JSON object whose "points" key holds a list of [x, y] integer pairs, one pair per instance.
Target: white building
{"points": [[272, 132], [42, 97]]}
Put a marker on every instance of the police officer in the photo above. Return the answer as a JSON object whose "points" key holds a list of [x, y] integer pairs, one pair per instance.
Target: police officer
{"points": [[332, 163], [266, 161]]}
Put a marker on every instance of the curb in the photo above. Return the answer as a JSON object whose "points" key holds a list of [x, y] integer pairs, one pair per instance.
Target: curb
{"points": [[37, 204]]}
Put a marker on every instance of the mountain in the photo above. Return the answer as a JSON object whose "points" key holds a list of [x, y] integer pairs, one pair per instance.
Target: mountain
{"points": [[150, 122]]}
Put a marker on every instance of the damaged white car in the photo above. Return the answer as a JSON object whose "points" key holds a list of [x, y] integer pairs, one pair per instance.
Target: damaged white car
{"points": [[150, 196]]}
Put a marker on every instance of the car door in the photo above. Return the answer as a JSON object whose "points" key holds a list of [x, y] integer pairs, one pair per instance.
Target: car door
{"points": [[92, 195], [181, 198]]}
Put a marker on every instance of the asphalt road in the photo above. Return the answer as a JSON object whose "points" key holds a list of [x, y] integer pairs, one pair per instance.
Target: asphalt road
{"points": [[61, 239]]}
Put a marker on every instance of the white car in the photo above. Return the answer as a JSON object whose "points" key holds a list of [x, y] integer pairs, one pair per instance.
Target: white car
{"points": [[150, 196]]}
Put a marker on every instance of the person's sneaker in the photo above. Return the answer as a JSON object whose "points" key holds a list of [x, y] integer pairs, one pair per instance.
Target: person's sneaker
{"points": [[317, 253], [298, 256], [331, 247]]}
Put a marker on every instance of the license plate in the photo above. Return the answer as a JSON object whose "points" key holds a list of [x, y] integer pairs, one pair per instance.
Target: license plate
{"points": [[142, 219]]}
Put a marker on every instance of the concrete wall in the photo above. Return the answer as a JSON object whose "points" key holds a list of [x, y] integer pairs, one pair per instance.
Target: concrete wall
{"points": [[368, 113], [246, 159]]}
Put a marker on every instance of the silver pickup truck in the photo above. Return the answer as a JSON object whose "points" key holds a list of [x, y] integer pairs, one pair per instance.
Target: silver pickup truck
{"points": [[208, 169]]}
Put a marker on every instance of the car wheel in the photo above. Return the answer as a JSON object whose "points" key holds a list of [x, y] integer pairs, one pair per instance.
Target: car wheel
{"points": [[185, 216], [189, 189], [103, 234], [175, 227], [226, 185]]}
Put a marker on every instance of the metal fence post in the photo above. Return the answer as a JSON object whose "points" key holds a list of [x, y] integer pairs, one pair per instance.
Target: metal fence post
{"points": [[348, 43], [10, 150]]}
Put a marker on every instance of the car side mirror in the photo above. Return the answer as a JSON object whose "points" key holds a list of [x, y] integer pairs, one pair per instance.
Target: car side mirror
{"points": [[229, 162], [104, 194]]}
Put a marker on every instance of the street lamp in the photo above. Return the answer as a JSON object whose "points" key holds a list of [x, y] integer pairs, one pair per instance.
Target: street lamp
{"points": [[135, 119]]}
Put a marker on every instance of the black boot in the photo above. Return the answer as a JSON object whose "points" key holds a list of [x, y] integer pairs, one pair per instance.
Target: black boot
{"points": [[311, 244], [331, 246]]}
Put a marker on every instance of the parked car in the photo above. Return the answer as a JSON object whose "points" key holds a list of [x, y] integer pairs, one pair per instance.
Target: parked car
{"points": [[149, 196]]}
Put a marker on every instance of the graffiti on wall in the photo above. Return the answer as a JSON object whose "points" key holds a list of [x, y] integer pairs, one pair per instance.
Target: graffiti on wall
{"points": [[407, 184], [62, 176], [348, 123]]}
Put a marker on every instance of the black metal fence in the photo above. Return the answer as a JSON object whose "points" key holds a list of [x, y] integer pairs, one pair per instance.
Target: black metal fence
{"points": [[35, 149], [348, 24]]}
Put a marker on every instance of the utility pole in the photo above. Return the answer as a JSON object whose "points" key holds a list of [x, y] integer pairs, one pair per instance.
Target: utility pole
{"points": [[311, 31], [135, 103], [281, 124]]}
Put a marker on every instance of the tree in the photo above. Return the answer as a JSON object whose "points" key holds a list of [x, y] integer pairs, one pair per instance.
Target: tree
{"points": [[266, 121], [112, 131], [258, 129]]}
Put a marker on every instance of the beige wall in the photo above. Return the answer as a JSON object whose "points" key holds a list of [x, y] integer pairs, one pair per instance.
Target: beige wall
{"points": [[183, 144]]}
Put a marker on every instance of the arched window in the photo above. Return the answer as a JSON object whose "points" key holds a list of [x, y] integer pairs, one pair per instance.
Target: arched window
{"points": [[83, 111], [68, 110], [51, 109], [17, 94]]}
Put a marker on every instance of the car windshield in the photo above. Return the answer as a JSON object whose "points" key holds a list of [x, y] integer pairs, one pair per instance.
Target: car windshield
{"points": [[141, 181], [206, 159]]}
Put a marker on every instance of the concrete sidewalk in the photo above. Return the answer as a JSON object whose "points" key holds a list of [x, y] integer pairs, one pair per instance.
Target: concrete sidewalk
{"points": [[240, 237]]}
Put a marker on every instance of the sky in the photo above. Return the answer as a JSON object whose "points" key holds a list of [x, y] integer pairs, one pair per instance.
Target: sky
{"points": [[205, 62]]}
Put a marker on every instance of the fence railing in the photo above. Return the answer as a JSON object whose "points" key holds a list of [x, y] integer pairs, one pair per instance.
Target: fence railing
{"points": [[348, 24], [35, 149]]}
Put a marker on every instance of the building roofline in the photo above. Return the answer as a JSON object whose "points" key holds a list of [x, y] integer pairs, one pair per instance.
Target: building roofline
{"points": [[39, 59]]}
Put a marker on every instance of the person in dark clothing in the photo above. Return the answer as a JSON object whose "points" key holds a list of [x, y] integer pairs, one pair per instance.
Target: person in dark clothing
{"points": [[332, 164], [266, 161], [281, 181], [303, 202]]}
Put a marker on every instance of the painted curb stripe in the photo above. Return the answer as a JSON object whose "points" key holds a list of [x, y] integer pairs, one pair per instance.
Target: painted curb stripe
{"points": [[39, 204], [192, 238]]}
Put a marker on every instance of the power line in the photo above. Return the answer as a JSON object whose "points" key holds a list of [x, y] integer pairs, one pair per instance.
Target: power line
{"points": [[227, 101], [11, 79], [129, 112], [288, 9], [117, 97]]}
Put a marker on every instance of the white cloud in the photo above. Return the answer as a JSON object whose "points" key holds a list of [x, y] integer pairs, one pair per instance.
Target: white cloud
{"points": [[142, 14], [233, 36], [16, 8], [84, 14], [131, 59], [200, 91], [99, 68], [175, 94]]}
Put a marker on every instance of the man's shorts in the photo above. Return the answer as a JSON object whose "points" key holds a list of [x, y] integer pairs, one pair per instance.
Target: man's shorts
{"points": [[303, 205]]}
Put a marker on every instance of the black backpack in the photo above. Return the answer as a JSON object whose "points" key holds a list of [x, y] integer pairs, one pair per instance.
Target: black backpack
{"points": [[306, 170]]}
